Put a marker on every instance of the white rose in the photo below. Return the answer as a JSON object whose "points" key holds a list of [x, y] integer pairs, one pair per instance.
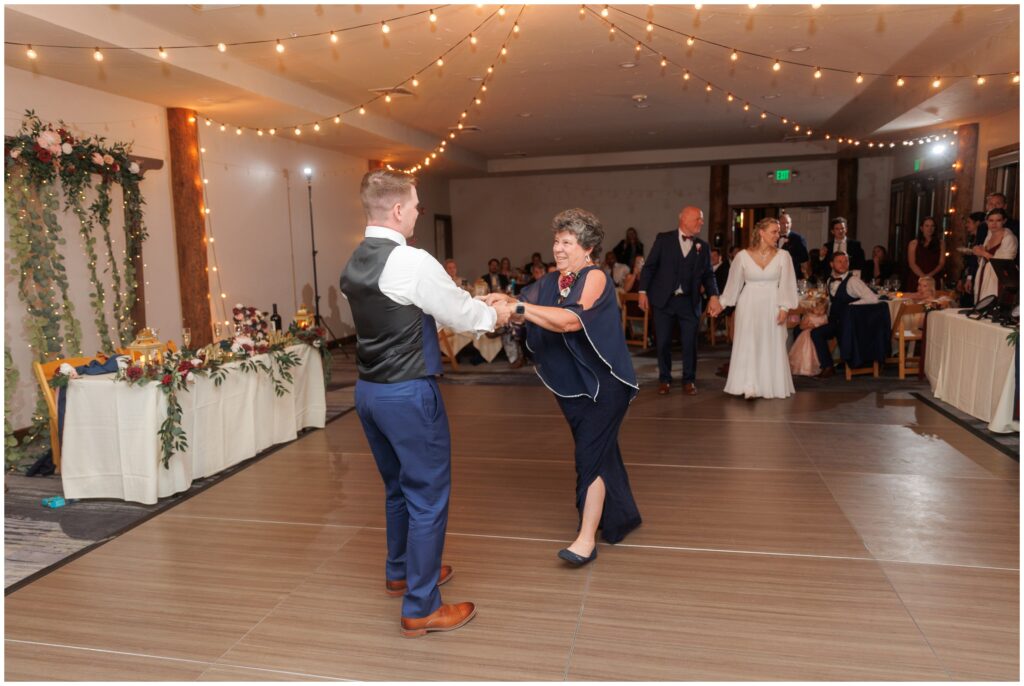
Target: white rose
{"points": [[66, 148], [133, 167], [55, 150], [196, 362], [96, 158], [15, 153], [123, 361], [107, 159], [67, 370]]}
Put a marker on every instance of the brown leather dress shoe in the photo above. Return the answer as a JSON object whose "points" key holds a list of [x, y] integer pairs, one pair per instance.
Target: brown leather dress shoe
{"points": [[690, 388], [444, 618], [826, 373], [397, 588], [663, 389]]}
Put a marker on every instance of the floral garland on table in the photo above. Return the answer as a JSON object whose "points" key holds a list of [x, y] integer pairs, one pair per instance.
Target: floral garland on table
{"points": [[315, 336], [40, 161]]}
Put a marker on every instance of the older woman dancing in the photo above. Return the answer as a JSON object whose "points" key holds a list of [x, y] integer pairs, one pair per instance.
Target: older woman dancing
{"points": [[575, 333]]}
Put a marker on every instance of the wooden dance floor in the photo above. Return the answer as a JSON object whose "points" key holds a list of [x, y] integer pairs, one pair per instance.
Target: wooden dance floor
{"points": [[833, 535]]}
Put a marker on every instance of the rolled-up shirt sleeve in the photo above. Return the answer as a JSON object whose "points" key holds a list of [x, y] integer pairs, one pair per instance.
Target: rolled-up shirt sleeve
{"points": [[413, 277]]}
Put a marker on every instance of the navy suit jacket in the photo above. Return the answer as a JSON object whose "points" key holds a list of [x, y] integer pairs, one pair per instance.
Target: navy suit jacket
{"points": [[796, 246], [853, 250], [660, 274]]}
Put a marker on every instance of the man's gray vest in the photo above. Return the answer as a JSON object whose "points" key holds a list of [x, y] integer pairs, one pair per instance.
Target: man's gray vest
{"points": [[394, 342]]}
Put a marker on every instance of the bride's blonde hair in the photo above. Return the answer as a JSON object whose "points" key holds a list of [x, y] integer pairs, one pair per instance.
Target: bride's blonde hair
{"points": [[755, 235]]}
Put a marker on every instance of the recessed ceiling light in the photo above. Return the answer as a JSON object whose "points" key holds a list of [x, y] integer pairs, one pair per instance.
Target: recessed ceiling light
{"points": [[639, 97], [771, 96], [478, 79], [524, 115], [652, 133], [628, 65], [800, 48], [642, 105]]}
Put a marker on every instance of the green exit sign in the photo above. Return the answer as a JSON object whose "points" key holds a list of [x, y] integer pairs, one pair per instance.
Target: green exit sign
{"points": [[782, 175], [917, 165]]}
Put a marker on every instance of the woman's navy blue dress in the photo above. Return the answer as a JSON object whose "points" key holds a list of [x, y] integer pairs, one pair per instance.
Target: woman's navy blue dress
{"points": [[591, 374]]}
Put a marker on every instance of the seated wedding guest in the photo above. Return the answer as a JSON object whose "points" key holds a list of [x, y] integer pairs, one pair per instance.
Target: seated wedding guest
{"points": [[453, 271], [819, 269], [552, 268], [537, 272], [733, 251], [632, 281], [629, 248], [844, 291], [506, 268], [720, 268], [878, 268], [803, 358], [1000, 244], [535, 260], [495, 280], [926, 254], [997, 201], [975, 233], [841, 242], [927, 294], [615, 270]]}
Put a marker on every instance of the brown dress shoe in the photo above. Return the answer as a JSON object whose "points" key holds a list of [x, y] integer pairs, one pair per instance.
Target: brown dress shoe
{"points": [[826, 373], [444, 618], [397, 588], [690, 388], [663, 389]]}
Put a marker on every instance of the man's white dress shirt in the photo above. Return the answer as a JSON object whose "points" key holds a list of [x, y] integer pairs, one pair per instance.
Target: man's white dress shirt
{"points": [[412, 276], [855, 287]]}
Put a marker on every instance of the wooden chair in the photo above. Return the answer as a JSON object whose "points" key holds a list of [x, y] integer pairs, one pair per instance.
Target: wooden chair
{"points": [[851, 372], [624, 299], [44, 371], [444, 340], [905, 330]]}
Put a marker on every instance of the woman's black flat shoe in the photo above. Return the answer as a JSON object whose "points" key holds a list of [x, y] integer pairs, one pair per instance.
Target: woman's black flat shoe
{"points": [[576, 560]]}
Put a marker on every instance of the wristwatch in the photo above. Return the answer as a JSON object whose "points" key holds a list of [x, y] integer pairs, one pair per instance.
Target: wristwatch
{"points": [[520, 309]]}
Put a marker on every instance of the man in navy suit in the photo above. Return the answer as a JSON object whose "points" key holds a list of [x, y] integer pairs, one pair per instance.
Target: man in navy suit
{"points": [[793, 243], [840, 243], [678, 266]]}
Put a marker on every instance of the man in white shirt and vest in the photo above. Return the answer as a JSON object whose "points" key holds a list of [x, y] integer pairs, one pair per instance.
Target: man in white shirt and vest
{"points": [[396, 292], [844, 290]]}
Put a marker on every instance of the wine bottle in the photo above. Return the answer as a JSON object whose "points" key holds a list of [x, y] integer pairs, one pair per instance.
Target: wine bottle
{"points": [[275, 319]]}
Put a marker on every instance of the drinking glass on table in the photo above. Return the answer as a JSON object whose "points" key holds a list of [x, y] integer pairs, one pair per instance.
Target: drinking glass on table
{"points": [[218, 332], [186, 338]]}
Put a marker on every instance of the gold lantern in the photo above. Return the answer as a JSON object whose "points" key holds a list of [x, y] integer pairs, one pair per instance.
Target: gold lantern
{"points": [[303, 319], [146, 348]]}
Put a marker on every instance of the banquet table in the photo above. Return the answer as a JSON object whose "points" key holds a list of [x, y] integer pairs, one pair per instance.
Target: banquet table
{"points": [[111, 447], [488, 347], [970, 366]]}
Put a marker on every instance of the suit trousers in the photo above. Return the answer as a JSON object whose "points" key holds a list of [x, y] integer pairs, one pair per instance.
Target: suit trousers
{"points": [[820, 337], [678, 311], [407, 428]]}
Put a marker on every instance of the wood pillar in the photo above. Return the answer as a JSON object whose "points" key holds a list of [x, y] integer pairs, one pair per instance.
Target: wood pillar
{"points": [[962, 195], [846, 193], [372, 165], [189, 225], [719, 217]]}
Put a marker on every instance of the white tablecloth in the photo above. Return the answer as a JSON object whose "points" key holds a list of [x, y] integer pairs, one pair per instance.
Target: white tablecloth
{"points": [[970, 366], [488, 347], [111, 446]]}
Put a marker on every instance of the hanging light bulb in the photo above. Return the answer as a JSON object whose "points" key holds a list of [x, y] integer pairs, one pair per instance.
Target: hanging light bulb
{"points": [[697, 6], [611, 30], [785, 121], [734, 56], [729, 97], [664, 62], [860, 78], [708, 88], [817, 72], [432, 17], [337, 119], [440, 61], [900, 81], [478, 101], [686, 75], [796, 127], [1016, 78], [273, 132], [298, 131], [334, 37], [279, 47], [490, 69], [31, 53], [981, 80], [764, 115], [387, 98], [238, 131], [583, 10], [650, 27], [384, 28], [746, 107], [472, 38], [259, 132], [504, 51], [464, 114], [936, 82], [501, 11], [223, 127], [162, 53], [638, 47], [515, 27], [222, 47], [362, 110], [415, 82], [777, 66], [690, 40], [316, 127], [97, 55], [604, 11]]}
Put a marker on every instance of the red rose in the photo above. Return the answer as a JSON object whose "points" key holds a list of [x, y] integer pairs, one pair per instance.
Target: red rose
{"points": [[44, 155], [117, 167], [166, 381], [185, 366], [134, 373], [246, 347]]}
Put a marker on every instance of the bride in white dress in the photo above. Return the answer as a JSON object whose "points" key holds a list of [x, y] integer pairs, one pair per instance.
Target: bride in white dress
{"points": [[762, 286]]}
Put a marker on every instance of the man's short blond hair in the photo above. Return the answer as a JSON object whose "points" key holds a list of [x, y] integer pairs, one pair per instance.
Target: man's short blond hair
{"points": [[381, 189]]}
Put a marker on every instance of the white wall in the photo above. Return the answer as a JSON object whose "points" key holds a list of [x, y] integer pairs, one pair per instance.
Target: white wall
{"points": [[749, 184], [994, 132], [874, 183], [260, 217], [434, 197], [511, 216]]}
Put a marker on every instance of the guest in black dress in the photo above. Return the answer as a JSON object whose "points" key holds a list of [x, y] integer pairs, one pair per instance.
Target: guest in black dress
{"points": [[574, 330]]}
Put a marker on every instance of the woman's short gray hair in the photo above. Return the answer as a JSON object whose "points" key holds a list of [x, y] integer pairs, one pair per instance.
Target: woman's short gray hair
{"points": [[581, 224]]}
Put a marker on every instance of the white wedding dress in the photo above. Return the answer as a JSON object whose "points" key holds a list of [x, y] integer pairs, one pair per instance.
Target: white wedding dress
{"points": [[759, 366]]}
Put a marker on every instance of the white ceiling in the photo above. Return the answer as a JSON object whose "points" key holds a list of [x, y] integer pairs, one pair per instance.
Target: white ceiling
{"points": [[559, 91]]}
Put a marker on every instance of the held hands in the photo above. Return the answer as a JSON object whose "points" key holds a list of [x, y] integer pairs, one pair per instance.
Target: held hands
{"points": [[781, 318], [504, 309], [714, 307], [493, 298], [642, 302]]}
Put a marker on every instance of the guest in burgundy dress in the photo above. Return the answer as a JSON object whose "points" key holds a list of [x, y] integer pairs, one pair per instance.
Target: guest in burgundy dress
{"points": [[926, 255]]}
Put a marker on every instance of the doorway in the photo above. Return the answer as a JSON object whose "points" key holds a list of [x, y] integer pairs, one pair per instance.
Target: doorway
{"points": [[810, 220], [443, 247]]}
